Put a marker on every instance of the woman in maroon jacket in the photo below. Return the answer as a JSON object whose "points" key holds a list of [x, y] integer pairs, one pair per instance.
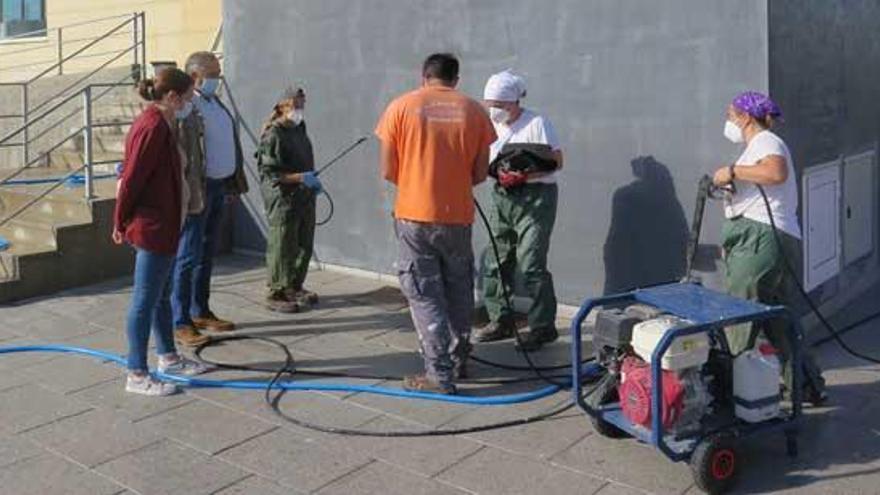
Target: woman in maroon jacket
{"points": [[149, 212]]}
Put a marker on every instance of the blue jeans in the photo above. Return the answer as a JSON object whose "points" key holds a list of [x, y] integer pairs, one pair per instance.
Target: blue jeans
{"points": [[150, 308], [189, 255], [195, 257], [214, 201]]}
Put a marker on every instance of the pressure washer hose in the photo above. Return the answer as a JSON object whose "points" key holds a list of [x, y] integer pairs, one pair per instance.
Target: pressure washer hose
{"points": [[834, 334]]}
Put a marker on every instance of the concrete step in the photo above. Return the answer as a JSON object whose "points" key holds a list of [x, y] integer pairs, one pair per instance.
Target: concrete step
{"points": [[64, 205], [41, 237], [84, 254]]}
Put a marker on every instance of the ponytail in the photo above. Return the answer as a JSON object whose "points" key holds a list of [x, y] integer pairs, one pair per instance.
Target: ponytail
{"points": [[147, 89], [278, 114]]}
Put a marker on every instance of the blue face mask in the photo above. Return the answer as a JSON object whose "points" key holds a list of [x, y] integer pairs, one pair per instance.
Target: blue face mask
{"points": [[185, 111], [209, 86]]}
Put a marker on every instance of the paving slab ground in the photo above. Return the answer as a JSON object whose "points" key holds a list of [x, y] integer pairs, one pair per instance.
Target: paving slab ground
{"points": [[67, 426]]}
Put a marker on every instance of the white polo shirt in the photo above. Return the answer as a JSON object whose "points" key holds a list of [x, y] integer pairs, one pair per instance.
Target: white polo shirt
{"points": [[529, 128], [219, 137]]}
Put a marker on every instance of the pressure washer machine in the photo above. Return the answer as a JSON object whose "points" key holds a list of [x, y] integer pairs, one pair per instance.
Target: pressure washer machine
{"points": [[673, 383], [671, 379]]}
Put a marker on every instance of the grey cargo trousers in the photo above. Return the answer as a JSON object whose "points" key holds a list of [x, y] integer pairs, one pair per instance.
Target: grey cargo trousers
{"points": [[436, 271]]}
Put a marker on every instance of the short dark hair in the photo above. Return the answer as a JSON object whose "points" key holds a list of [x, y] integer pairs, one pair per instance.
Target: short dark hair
{"points": [[443, 66]]}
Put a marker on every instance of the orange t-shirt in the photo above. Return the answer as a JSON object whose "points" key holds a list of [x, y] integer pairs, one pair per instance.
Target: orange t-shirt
{"points": [[438, 134]]}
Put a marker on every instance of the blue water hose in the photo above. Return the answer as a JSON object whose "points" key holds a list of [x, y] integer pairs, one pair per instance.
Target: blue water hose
{"points": [[496, 400], [72, 181]]}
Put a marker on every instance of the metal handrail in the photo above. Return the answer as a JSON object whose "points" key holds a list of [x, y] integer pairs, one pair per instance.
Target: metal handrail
{"points": [[66, 26], [87, 89], [81, 49], [136, 20], [24, 128], [109, 87], [138, 23], [83, 78], [63, 41], [54, 147]]}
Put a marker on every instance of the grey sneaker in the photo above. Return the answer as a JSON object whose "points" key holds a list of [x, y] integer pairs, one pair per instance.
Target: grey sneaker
{"points": [[181, 366], [147, 385]]}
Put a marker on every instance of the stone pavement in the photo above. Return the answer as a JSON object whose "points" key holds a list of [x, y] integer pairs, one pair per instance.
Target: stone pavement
{"points": [[67, 427]]}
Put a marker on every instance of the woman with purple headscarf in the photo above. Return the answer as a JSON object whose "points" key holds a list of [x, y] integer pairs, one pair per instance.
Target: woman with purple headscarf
{"points": [[755, 261]]}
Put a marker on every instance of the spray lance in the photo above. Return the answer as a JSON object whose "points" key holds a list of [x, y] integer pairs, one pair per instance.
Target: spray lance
{"points": [[327, 165], [706, 190]]}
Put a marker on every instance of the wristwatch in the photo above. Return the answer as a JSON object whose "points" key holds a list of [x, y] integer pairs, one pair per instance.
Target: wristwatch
{"points": [[732, 173]]}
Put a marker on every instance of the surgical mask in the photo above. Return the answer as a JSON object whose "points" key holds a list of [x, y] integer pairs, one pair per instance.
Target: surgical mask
{"points": [[185, 111], [209, 86], [499, 115], [296, 116], [733, 133]]}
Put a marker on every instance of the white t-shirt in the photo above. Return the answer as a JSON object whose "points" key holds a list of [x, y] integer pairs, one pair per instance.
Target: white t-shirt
{"points": [[783, 198], [529, 128]]}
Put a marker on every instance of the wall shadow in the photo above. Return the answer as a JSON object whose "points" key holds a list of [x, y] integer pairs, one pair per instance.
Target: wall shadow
{"points": [[647, 238]]}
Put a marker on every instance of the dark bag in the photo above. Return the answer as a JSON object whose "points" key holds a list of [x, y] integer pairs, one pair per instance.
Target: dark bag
{"points": [[523, 157]]}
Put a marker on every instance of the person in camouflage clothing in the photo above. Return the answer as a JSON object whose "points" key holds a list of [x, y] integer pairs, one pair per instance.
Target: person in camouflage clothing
{"points": [[289, 186]]}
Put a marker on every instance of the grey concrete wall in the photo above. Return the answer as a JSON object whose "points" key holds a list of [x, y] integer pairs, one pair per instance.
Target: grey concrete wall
{"points": [[825, 73], [636, 89]]}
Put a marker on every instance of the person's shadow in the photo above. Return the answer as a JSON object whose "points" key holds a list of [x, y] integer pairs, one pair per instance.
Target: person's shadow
{"points": [[647, 238]]}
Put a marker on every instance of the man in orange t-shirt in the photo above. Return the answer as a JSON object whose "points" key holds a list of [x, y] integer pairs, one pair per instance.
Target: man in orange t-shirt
{"points": [[435, 148]]}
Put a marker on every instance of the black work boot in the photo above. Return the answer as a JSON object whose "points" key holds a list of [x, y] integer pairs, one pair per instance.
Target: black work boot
{"points": [[496, 330], [279, 303], [537, 338]]}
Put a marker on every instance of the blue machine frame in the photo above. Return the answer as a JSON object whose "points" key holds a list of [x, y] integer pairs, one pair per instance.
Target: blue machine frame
{"points": [[709, 311]]}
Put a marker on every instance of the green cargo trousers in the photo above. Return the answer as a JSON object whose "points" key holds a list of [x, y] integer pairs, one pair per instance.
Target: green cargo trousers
{"points": [[290, 244], [522, 221], [755, 270]]}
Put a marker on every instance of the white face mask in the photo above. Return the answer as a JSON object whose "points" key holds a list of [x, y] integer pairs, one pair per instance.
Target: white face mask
{"points": [[296, 116], [499, 115], [184, 111], [733, 132]]}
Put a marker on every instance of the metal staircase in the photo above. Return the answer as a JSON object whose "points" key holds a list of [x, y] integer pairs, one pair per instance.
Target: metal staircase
{"points": [[55, 209]]}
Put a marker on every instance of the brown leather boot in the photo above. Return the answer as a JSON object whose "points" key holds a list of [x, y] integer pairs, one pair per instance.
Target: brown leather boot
{"points": [[421, 383], [189, 337], [211, 323]]}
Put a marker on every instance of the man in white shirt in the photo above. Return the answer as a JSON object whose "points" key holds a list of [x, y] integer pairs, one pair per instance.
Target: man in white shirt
{"points": [[214, 171], [522, 218]]}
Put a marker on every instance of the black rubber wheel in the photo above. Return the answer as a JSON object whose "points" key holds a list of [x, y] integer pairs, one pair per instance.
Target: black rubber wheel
{"points": [[714, 463], [603, 427]]}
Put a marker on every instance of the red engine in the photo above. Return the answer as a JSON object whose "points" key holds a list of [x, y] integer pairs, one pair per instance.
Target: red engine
{"points": [[635, 394]]}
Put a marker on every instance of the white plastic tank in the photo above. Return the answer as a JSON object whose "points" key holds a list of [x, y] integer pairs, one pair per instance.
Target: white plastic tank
{"points": [[685, 352], [756, 376]]}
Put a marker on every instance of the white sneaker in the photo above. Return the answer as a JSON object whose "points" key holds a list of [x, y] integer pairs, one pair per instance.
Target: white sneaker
{"points": [[181, 366], [147, 385]]}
